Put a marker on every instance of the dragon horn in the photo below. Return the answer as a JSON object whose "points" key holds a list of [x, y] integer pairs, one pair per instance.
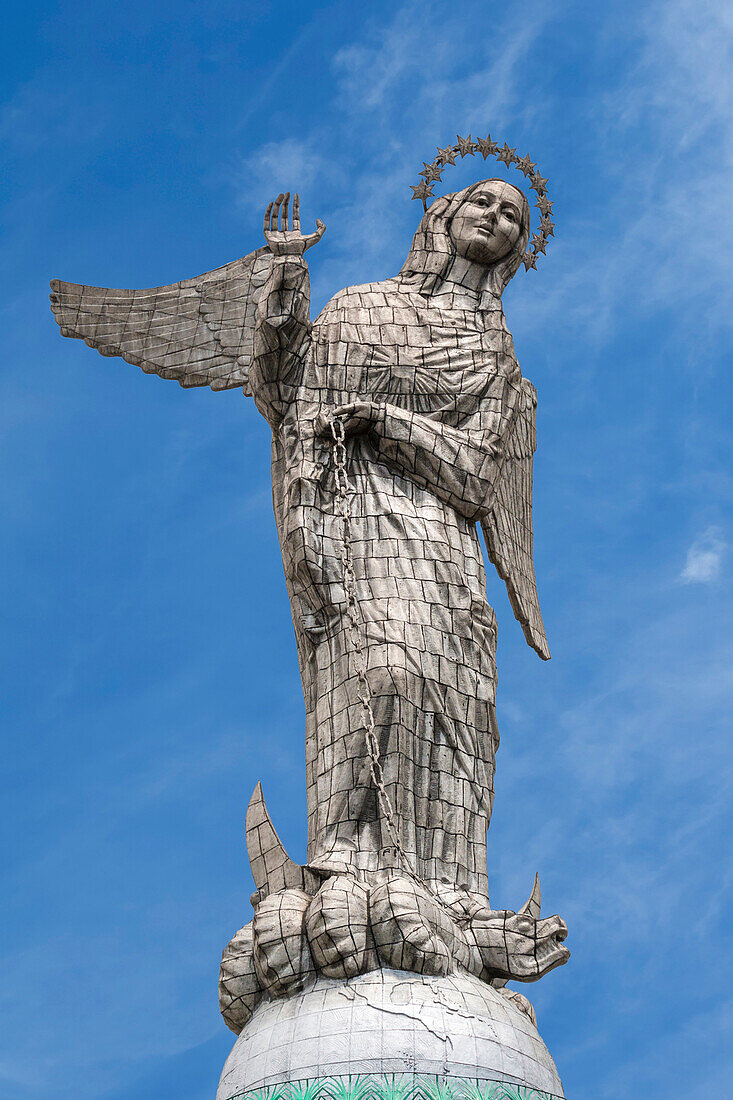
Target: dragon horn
{"points": [[534, 901]]}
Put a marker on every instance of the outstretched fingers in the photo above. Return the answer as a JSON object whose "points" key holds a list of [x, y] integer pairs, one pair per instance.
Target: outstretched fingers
{"points": [[277, 219], [276, 212]]}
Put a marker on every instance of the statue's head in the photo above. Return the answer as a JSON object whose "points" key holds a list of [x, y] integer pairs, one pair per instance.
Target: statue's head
{"points": [[487, 223]]}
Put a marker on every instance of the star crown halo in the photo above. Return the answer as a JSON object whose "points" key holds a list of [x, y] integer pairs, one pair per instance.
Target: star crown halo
{"points": [[464, 147]]}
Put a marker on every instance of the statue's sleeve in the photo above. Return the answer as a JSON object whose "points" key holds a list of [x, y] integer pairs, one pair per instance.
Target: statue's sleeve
{"points": [[282, 336], [459, 465]]}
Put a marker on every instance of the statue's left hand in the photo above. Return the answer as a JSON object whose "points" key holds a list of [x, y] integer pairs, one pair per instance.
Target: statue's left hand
{"points": [[283, 240], [357, 417]]}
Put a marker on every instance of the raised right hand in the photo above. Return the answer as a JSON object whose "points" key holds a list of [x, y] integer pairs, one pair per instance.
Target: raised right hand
{"points": [[283, 240]]}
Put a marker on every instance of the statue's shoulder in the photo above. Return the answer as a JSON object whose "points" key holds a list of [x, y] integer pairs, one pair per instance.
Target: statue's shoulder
{"points": [[352, 299]]}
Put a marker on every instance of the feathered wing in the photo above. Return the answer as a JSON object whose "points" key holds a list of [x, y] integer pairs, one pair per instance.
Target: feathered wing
{"points": [[508, 526], [199, 332]]}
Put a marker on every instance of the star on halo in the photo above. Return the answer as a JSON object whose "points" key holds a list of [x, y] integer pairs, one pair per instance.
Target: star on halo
{"points": [[447, 155], [486, 146], [430, 172], [530, 260], [547, 227], [507, 155], [525, 165], [538, 183], [423, 190], [544, 204], [465, 145], [539, 244]]}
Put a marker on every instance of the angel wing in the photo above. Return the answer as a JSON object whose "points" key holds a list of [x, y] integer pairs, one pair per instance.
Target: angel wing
{"points": [[199, 331], [508, 526]]}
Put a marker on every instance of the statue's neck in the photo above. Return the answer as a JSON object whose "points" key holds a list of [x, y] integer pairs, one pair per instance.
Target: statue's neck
{"points": [[464, 285]]}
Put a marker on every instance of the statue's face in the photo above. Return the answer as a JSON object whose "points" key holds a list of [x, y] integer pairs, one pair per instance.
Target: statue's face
{"points": [[486, 227]]}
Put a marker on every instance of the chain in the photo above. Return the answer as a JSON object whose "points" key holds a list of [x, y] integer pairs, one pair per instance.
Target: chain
{"points": [[356, 635]]}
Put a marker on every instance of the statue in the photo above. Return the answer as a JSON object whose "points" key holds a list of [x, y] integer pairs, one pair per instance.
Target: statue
{"points": [[400, 422]]}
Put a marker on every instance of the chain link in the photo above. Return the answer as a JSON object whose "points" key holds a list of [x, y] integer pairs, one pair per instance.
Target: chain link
{"points": [[356, 634]]}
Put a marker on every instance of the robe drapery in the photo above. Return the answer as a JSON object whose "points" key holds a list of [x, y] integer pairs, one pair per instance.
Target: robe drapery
{"points": [[446, 388]]}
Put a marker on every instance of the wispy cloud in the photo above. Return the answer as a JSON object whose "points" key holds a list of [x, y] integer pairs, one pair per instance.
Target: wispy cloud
{"points": [[659, 143], [292, 164], [406, 85], [664, 235], [422, 72], [676, 109], [705, 558]]}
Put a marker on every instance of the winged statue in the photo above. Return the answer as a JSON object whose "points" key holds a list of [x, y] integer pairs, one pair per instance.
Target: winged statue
{"points": [[415, 382]]}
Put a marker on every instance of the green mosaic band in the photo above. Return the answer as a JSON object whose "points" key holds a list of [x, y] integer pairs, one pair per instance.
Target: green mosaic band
{"points": [[395, 1086]]}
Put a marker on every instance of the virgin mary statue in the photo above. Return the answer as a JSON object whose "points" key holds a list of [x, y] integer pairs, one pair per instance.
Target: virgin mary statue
{"points": [[418, 373]]}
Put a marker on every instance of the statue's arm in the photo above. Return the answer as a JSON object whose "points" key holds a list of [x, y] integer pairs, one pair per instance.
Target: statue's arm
{"points": [[282, 336], [483, 470], [459, 465], [282, 325]]}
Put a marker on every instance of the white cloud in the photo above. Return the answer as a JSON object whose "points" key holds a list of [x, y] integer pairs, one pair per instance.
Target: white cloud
{"points": [[659, 142], [424, 74], [664, 158], [408, 84], [280, 165], [681, 95], [705, 558]]}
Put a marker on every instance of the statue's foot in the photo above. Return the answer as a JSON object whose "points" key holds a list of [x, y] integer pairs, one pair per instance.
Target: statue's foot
{"points": [[463, 905], [337, 861]]}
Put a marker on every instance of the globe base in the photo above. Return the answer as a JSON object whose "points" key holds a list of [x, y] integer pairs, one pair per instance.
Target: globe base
{"points": [[390, 1035]]}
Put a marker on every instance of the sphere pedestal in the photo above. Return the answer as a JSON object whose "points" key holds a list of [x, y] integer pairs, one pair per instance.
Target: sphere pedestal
{"points": [[390, 1035]]}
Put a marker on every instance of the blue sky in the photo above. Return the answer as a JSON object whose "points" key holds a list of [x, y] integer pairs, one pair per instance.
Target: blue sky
{"points": [[148, 662]]}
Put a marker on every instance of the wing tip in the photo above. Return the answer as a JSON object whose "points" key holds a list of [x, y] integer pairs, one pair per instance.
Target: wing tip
{"points": [[58, 316], [57, 307], [534, 634]]}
